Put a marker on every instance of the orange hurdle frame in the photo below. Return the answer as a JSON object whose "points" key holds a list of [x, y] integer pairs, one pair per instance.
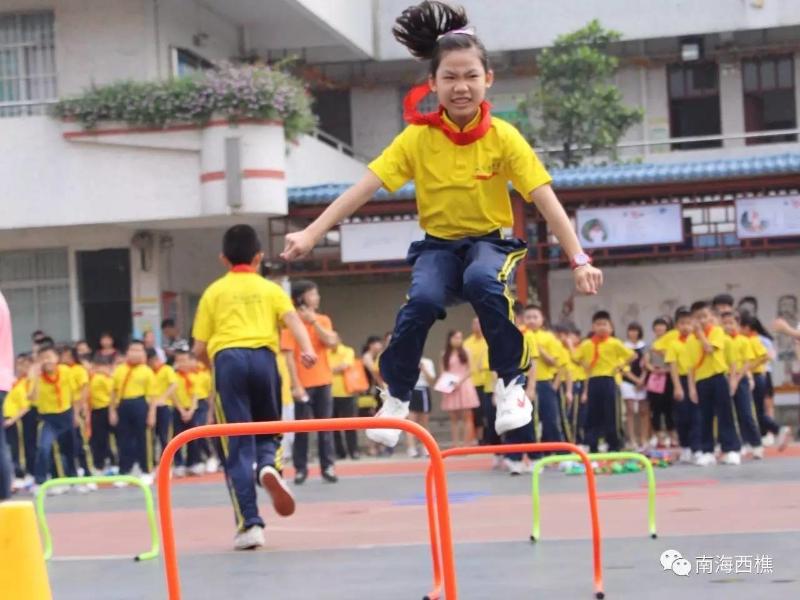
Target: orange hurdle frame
{"points": [[435, 479], [436, 592]]}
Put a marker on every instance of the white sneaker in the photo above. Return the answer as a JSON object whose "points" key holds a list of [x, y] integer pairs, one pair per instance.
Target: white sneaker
{"points": [[706, 459], [497, 463], [654, 441], [768, 440], [212, 465], [412, 452], [746, 451], [515, 467], [179, 472], [514, 409], [686, 456], [784, 437], [81, 489], [529, 466], [120, 484], [146, 479], [249, 539], [197, 469], [57, 490], [731, 458], [278, 490], [392, 408], [758, 452], [92, 487], [602, 447], [28, 481], [17, 484]]}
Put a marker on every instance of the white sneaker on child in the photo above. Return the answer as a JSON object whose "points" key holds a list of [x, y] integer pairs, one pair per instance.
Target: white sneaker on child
{"points": [[212, 465], [249, 539], [412, 452], [179, 472], [706, 459], [731, 458], [197, 469], [784, 437], [758, 453], [515, 468], [686, 456], [746, 451], [498, 463], [393, 408], [514, 409], [275, 485]]}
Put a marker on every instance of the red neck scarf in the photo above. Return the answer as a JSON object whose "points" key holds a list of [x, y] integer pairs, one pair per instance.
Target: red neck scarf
{"points": [[187, 383], [436, 119], [597, 340], [242, 269], [125, 381], [683, 338], [56, 383]]}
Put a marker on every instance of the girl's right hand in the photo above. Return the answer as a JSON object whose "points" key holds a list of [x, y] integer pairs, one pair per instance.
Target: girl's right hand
{"points": [[113, 419], [297, 245]]}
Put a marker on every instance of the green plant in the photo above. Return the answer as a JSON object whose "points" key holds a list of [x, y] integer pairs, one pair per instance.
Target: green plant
{"points": [[233, 92], [575, 108]]}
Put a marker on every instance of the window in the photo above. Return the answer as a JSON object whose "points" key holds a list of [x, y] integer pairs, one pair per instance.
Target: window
{"points": [[769, 100], [36, 286], [27, 63], [186, 62], [694, 103]]}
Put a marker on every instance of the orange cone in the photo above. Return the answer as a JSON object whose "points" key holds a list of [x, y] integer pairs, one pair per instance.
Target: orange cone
{"points": [[22, 568]]}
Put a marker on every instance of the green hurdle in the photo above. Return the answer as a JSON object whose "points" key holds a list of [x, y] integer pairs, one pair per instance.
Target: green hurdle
{"points": [[98, 479], [559, 458]]}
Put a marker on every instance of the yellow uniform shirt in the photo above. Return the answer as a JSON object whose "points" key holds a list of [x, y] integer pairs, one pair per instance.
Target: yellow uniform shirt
{"points": [[545, 342], [80, 375], [185, 392], [683, 351], [342, 355], [576, 370], [603, 358], [57, 392], [286, 382], [133, 381], [461, 190], [17, 399], [663, 343], [478, 351], [759, 353], [709, 365], [163, 378], [100, 386], [241, 310], [738, 351], [202, 384]]}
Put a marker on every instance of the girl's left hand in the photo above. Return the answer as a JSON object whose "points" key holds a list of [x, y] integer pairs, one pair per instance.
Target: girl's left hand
{"points": [[588, 279]]}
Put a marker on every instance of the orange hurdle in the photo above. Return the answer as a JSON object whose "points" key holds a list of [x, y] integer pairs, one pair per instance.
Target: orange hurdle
{"points": [[435, 480], [431, 490]]}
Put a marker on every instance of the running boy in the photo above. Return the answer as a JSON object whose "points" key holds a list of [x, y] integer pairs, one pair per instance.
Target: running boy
{"points": [[604, 357], [236, 331], [461, 159]]}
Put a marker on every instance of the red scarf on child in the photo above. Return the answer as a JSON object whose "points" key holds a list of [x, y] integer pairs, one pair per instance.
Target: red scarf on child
{"points": [[596, 341], [436, 119], [56, 383]]}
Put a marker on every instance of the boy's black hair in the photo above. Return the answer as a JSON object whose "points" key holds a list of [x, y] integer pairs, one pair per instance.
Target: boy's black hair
{"points": [[105, 334], [660, 321], [134, 342], [682, 313], [168, 322], [518, 308], [731, 313], [240, 244], [601, 315], [722, 299], [699, 305], [533, 306], [558, 329], [425, 29], [151, 353], [299, 288], [754, 324], [38, 335], [637, 327], [182, 350], [47, 343]]}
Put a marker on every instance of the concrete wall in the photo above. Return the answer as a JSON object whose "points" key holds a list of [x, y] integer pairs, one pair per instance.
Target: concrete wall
{"points": [[352, 20], [641, 293]]}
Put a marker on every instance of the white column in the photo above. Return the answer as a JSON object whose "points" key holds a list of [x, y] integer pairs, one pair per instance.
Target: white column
{"points": [[145, 286], [731, 100]]}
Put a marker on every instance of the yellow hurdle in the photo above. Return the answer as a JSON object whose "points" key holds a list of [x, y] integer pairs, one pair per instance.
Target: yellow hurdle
{"points": [[22, 568]]}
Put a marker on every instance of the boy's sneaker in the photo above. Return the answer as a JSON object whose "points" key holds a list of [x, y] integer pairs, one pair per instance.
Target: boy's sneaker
{"points": [[249, 539], [768, 440], [212, 465], [274, 484], [120, 484], [300, 476], [514, 409], [515, 468], [746, 450], [731, 458], [393, 408], [329, 475], [412, 452], [179, 472], [57, 490], [706, 459], [686, 456], [758, 452], [197, 469], [146, 479], [498, 463], [784, 437], [82, 489], [529, 467]]}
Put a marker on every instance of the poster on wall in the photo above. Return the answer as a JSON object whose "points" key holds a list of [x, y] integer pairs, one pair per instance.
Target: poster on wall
{"points": [[388, 240], [629, 226], [146, 315], [771, 216]]}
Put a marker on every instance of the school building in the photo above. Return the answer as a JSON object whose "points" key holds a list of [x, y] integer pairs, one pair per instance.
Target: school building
{"points": [[115, 231]]}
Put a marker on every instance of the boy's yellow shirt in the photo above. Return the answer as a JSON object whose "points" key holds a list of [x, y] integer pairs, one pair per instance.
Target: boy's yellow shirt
{"points": [[709, 365], [80, 375], [603, 357], [133, 381], [185, 392], [165, 376], [683, 352], [17, 399], [341, 355], [201, 380], [462, 190], [759, 353], [663, 343], [738, 351], [241, 310], [100, 386], [478, 351], [56, 393]]}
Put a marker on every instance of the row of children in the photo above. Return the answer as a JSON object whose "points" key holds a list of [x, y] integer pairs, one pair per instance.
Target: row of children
{"points": [[66, 416], [707, 374]]}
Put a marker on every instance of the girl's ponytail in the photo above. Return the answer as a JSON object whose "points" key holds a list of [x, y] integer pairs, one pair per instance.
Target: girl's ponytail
{"points": [[420, 27]]}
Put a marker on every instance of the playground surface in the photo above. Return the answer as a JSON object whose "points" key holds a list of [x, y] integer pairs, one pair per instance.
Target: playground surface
{"points": [[367, 536]]}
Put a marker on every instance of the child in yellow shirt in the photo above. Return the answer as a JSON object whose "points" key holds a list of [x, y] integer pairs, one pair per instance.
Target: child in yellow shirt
{"points": [[162, 391], [100, 387], [185, 414], [681, 356], [15, 407]]}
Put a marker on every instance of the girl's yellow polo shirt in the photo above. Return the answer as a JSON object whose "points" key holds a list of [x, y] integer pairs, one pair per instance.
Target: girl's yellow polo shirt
{"points": [[100, 386], [17, 399], [684, 352], [462, 190], [57, 391], [133, 381]]}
